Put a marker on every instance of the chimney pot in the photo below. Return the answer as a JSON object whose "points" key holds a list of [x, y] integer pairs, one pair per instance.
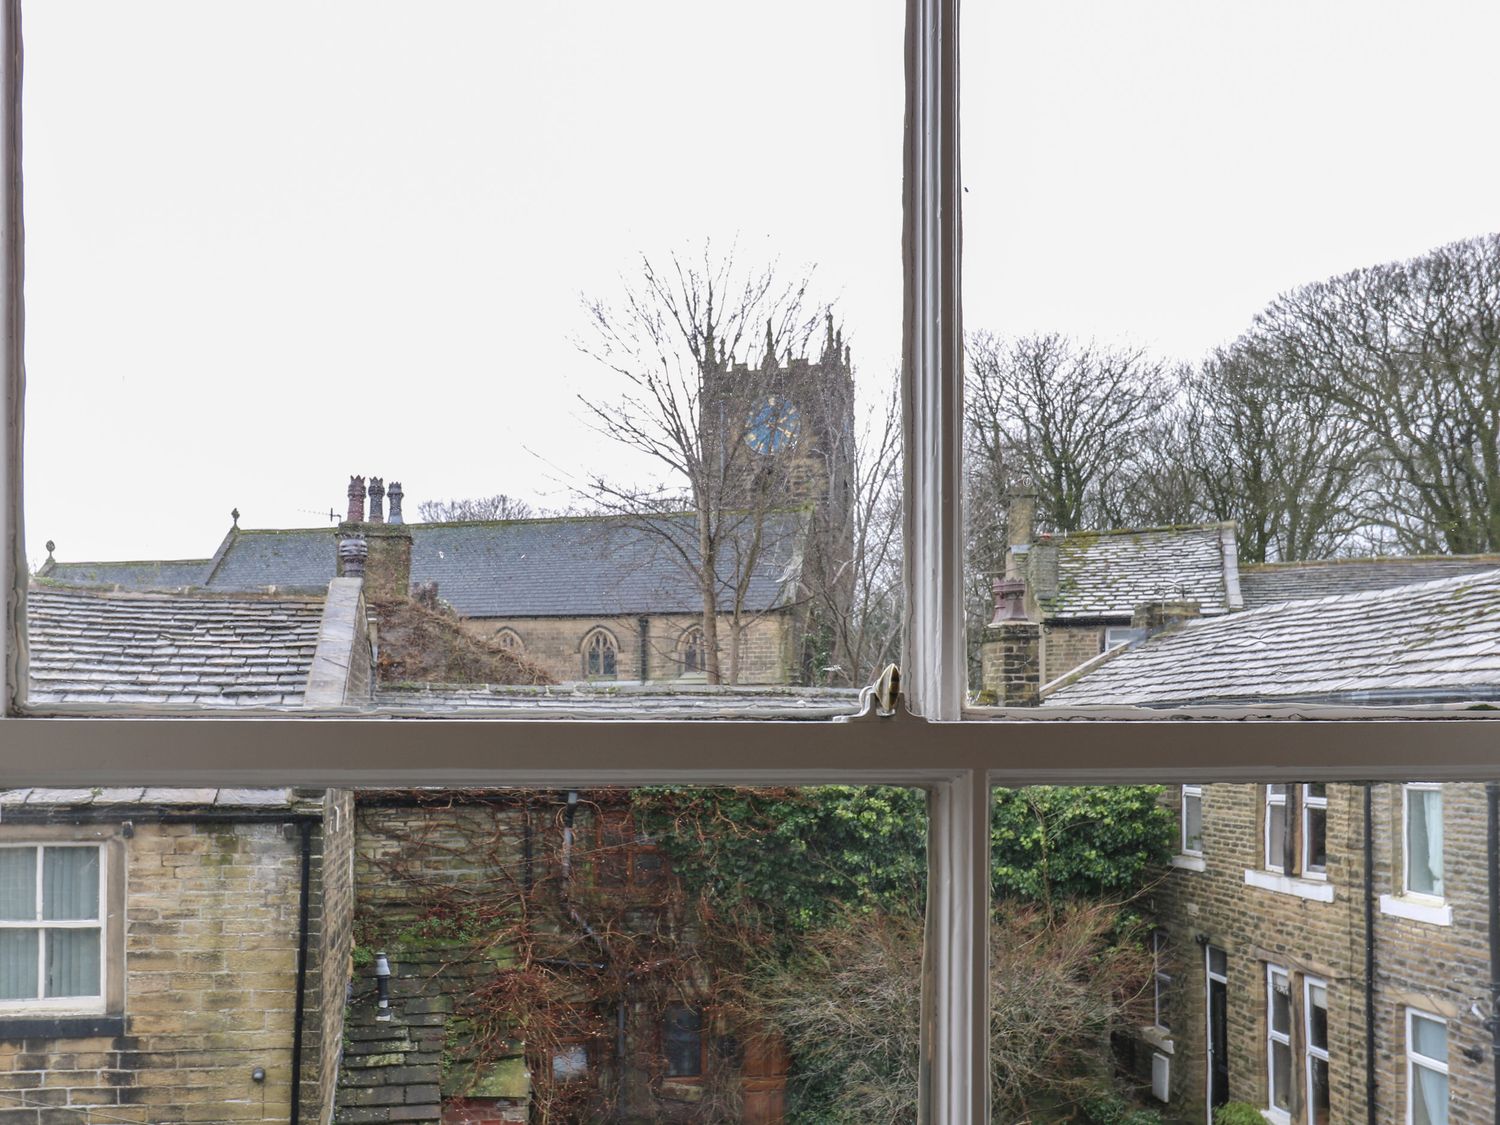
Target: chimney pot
{"points": [[352, 554], [356, 500], [1010, 601], [393, 493], [377, 500]]}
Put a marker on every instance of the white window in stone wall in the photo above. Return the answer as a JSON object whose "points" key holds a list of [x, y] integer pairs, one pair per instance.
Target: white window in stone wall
{"points": [[1315, 830], [1426, 1069], [1117, 635], [601, 656], [1161, 984], [692, 651], [1278, 1044], [1422, 839], [510, 640], [1192, 820], [1276, 828], [1315, 1038], [51, 928]]}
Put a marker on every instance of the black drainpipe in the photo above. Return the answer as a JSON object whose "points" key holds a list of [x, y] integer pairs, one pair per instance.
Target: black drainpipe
{"points": [[303, 907], [1370, 954], [1492, 799], [645, 628]]}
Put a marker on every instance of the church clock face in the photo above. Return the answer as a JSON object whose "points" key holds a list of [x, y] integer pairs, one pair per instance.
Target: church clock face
{"points": [[774, 426]]}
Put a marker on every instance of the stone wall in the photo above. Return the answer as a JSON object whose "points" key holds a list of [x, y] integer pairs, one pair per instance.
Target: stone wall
{"points": [[1065, 647], [210, 939], [332, 919], [769, 653], [1440, 969]]}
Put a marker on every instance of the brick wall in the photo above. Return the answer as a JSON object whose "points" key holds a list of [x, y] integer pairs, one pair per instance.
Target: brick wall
{"points": [[1065, 647], [1439, 969], [769, 652], [210, 956]]}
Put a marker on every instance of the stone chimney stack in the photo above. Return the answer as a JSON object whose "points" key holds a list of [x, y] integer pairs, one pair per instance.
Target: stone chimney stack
{"points": [[1020, 524], [1164, 615], [394, 494], [356, 500], [1011, 656], [377, 551]]}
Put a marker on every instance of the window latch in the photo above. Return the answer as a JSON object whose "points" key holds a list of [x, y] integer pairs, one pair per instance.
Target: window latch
{"points": [[881, 699]]}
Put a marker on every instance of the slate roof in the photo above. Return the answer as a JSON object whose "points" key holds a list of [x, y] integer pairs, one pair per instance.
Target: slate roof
{"points": [[587, 566], [1104, 575], [159, 575], [90, 646], [1427, 642], [1269, 583], [37, 799], [645, 701]]}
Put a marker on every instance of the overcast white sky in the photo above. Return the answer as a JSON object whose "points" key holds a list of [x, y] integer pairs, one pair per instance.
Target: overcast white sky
{"points": [[273, 243]]}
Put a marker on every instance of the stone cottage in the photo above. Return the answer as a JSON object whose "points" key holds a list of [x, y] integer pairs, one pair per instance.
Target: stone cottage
{"points": [[1325, 952]]}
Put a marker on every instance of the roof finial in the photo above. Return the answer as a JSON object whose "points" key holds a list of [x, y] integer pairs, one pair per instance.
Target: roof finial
{"points": [[830, 347], [770, 346], [51, 546], [234, 514]]}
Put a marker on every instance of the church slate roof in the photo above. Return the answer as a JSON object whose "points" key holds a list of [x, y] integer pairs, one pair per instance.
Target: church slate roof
{"points": [[89, 646], [1104, 575], [166, 574], [1269, 583], [1427, 642], [586, 566]]}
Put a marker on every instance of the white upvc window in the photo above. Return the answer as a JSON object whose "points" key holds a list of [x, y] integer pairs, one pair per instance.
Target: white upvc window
{"points": [[1315, 830], [1315, 1044], [1422, 840], [1276, 829], [52, 947], [1426, 1069], [1192, 820], [1117, 635], [1278, 1044], [1161, 983]]}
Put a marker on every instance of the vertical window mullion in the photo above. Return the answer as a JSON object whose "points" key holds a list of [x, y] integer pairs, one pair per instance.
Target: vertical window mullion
{"points": [[41, 929]]}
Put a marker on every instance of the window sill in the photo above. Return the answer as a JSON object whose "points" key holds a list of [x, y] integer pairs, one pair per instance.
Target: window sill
{"points": [[1432, 911], [1315, 890], [60, 1027], [1278, 1116], [1158, 1037], [1189, 862]]}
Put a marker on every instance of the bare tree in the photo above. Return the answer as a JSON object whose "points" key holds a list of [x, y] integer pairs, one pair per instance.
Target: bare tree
{"points": [[496, 507], [1409, 353], [1287, 466], [1071, 418], [701, 382]]}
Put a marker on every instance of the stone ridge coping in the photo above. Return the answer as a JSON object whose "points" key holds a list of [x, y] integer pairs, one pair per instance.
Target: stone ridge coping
{"points": [[607, 690], [176, 595], [1375, 560], [136, 797]]}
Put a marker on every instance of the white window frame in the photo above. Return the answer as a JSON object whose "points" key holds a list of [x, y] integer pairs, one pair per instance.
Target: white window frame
{"points": [[1117, 635], [1414, 1059], [1274, 1038], [1275, 800], [1161, 983], [1420, 897], [1194, 792], [1310, 803], [925, 745], [62, 1005], [1311, 1053]]}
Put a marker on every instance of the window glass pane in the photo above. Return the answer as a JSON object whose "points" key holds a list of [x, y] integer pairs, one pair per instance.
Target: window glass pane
{"points": [[1424, 841], [1317, 839], [73, 962], [1429, 1038], [1281, 1000], [17, 884], [70, 883], [1317, 1096], [1429, 1097], [616, 365], [1192, 823], [18, 964], [682, 1041], [1276, 836], [1281, 1077], [1171, 426], [1317, 1020]]}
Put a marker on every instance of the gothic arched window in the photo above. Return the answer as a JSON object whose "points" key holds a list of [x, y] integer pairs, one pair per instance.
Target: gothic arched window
{"points": [[692, 651], [600, 655], [510, 640]]}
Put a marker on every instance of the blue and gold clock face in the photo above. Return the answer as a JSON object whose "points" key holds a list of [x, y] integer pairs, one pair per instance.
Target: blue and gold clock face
{"points": [[774, 426]]}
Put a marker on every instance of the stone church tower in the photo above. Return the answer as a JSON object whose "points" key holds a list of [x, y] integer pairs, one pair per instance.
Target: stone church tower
{"points": [[791, 421]]}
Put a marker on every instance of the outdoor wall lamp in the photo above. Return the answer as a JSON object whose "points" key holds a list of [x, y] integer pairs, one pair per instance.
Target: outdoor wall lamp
{"points": [[383, 985]]}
